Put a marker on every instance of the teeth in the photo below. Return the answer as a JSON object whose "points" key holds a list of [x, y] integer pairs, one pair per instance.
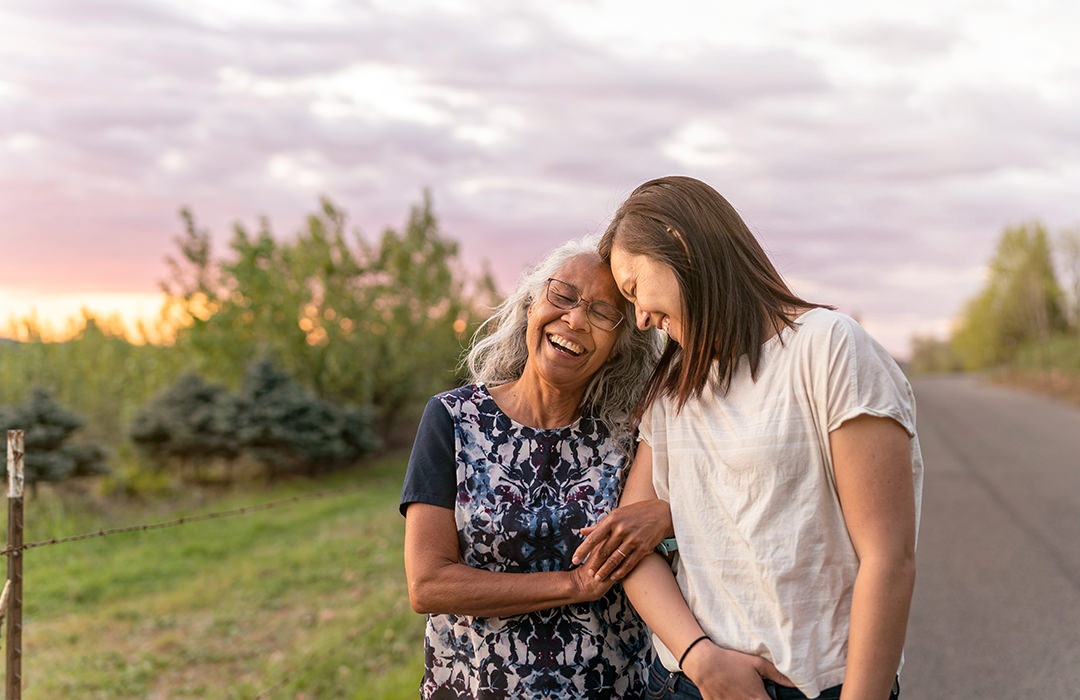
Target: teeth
{"points": [[566, 344], [665, 324]]}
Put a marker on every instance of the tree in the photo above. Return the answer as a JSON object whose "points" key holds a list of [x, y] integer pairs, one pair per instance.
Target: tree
{"points": [[1021, 302], [420, 311], [48, 427], [191, 423], [288, 429], [1068, 248], [379, 326]]}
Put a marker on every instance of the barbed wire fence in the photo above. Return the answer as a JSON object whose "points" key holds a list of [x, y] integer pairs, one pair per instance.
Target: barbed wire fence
{"points": [[11, 597]]}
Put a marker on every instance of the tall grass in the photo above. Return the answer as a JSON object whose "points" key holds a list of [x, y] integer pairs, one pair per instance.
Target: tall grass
{"points": [[303, 600]]}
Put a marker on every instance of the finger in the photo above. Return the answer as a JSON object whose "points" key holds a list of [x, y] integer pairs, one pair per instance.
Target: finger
{"points": [[595, 536], [767, 670], [613, 564], [629, 563], [599, 559], [601, 554]]}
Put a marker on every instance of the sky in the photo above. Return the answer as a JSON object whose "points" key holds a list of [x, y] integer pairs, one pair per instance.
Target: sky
{"points": [[878, 150]]}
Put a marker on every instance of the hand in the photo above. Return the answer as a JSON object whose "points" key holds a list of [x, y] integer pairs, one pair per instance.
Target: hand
{"points": [[615, 545], [723, 674], [588, 587]]}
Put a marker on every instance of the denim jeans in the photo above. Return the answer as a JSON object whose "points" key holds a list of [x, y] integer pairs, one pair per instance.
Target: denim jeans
{"points": [[675, 686]]}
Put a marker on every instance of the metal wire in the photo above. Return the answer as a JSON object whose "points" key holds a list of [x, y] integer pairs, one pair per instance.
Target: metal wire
{"points": [[187, 520]]}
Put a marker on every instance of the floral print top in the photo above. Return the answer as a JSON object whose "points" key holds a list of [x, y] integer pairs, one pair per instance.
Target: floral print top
{"points": [[519, 496]]}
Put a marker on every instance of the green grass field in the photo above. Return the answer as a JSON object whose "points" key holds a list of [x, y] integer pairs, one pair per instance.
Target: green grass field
{"points": [[304, 600]]}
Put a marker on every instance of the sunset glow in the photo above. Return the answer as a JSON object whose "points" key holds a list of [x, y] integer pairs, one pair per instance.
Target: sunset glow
{"points": [[56, 317]]}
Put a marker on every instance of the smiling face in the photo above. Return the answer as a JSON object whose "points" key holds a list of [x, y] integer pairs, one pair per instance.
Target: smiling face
{"points": [[652, 288], [564, 347]]}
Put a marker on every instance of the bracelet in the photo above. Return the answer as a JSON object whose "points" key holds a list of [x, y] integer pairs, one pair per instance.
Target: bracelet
{"points": [[692, 645]]}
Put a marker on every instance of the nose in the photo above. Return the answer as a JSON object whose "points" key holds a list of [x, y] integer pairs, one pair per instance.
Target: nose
{"points": [[642, 318], [577, 317]]}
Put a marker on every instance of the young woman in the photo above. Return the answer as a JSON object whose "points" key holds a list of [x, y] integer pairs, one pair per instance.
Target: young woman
{"points": [[783, 437]]}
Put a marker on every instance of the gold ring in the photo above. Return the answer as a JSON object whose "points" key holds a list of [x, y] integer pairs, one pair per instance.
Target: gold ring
{"points": [[621, 552]]}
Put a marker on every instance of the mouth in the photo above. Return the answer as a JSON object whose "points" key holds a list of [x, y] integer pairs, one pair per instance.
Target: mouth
{"points": [[665, 324], [565, 345]]}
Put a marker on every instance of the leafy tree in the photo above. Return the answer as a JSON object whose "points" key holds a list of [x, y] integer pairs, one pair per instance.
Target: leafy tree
{"points": [[191, 422], [1068, 248], [360, 324], [288, 429], [416, 301], [1021, 302], [48, 427]]}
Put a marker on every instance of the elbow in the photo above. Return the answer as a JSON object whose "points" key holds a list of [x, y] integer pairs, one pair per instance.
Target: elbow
{"points": [[903, 570], [427, 592], [420, 597], [898, 569]]}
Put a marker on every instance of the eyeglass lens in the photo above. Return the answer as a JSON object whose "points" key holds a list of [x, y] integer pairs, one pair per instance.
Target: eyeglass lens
{"points": [[566, 296]]}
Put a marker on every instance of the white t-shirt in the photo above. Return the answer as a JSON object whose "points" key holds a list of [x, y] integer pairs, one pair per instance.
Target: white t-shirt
{"points": [[765, 559]]}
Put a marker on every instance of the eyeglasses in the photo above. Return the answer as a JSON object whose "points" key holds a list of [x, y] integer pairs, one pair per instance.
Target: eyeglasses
{"points": [[566, 296]]}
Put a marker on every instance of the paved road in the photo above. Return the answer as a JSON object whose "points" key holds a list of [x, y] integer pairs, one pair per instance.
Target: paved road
{"points": [[996, 614]]}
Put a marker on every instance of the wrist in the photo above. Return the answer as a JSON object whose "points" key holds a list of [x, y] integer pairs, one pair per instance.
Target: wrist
{"points": [[690, 647], [581, 589], [699, 663]]}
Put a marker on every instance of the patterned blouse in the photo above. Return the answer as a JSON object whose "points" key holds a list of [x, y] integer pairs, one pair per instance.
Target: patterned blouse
{"points": [[519, 496]]}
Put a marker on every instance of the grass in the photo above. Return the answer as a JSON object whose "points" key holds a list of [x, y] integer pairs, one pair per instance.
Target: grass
{"points": [[305, 600]]}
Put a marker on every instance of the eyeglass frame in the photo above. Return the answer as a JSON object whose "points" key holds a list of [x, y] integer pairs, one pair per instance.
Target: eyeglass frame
{"points": [[589, 314]]}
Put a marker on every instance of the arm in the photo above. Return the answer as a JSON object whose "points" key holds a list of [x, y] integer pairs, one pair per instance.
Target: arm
{"points": [[872, 461], [654, 593], [626, 535], [440, 583]]}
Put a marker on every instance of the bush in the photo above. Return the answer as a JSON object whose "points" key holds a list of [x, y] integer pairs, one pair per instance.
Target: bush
{"points": [[48, 427], [288, 429]]}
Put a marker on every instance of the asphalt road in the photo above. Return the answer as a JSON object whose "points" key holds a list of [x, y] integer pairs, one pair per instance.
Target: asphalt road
{"points": [[996, 613]]}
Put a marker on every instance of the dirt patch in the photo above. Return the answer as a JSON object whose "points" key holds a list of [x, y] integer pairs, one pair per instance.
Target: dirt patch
{"points": [[1060, 384]]}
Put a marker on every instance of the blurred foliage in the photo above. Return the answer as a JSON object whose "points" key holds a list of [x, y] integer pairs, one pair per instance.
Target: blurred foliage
{"points": [[1068, 258], [1021, 303], [929, 354], [98, 374], [190, 424], [370, 328], [377, 326], [290, 430], [1061, 352], [48, 428]]}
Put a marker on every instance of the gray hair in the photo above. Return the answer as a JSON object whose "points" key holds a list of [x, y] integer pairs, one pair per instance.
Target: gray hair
{"points": [[498, 351]]}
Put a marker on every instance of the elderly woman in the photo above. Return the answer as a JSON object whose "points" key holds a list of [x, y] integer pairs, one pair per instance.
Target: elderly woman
{"points": [[505, 472]]}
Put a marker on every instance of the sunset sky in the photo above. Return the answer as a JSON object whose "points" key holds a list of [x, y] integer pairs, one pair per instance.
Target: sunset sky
{"points": [[877, 149]]}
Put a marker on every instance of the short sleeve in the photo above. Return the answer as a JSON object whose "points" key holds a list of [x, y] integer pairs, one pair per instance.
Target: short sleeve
{"points": [[864, 379], [431, 476], [653, 432]]}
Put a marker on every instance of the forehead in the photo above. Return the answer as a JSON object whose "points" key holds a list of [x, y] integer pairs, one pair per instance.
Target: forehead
{"points": [[591, 275], [624, 266]]}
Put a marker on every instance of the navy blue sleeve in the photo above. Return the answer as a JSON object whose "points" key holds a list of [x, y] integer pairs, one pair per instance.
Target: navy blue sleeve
{"points": [[432, 473]]}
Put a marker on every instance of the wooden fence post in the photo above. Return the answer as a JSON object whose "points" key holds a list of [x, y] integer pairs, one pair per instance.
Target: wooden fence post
{"points": [[15, 453]]}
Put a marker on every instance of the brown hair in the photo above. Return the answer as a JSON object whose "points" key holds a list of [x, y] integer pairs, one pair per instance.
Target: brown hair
{"points": [[732, 295]]}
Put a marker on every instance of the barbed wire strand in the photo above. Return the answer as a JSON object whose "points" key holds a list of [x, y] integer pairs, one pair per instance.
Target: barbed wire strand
{"points": [[277, 686], [186, 520]]}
